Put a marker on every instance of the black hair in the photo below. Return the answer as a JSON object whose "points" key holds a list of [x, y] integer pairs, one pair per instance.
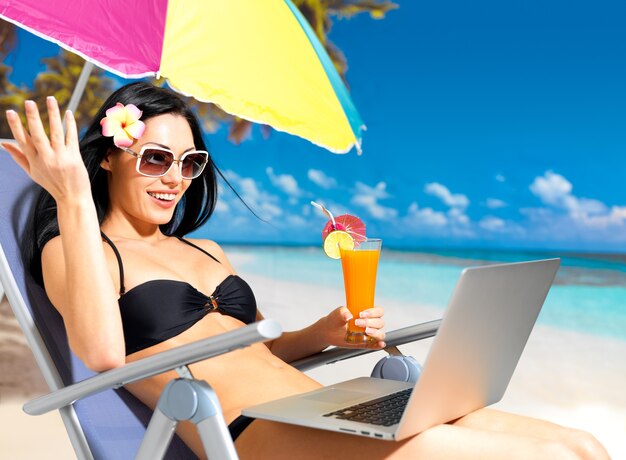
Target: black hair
{"points": [[193, 210]]}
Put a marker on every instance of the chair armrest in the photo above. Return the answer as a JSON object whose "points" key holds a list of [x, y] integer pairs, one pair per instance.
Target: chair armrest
{"points": [[147, 367], [392, 339]]}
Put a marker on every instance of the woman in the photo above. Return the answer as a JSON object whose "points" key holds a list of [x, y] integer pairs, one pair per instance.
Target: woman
{"points": [[108, 249]]}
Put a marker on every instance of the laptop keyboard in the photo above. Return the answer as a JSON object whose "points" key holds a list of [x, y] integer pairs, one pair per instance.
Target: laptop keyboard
{"points": [[385, 411]]}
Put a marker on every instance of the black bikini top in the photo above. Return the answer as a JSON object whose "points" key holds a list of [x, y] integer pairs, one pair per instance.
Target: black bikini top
{"points": [[157, 310]]}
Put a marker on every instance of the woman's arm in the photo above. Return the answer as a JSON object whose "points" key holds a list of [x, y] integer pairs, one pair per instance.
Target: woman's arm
{"points": [[74, 265], [327, 331], [79, 285]]}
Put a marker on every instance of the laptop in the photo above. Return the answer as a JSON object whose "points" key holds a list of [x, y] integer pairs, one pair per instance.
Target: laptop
{"points": [[482, 335]]}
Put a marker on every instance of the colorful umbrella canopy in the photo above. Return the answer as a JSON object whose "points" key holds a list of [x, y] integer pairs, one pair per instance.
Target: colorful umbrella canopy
{"points": [[256, 59]]}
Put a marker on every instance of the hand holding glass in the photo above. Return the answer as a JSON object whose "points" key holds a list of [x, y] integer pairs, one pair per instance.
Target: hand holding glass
{"points": [[359, 275]]}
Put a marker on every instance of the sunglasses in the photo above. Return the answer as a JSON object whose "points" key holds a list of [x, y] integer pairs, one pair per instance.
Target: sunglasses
{"points": [[157, 161]]}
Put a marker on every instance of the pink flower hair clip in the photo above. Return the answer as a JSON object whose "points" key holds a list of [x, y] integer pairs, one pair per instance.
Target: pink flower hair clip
{"points": [[123, 124]]}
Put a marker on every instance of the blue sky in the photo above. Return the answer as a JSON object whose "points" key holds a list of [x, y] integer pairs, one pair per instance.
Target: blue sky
{"points": [[490, 124]]}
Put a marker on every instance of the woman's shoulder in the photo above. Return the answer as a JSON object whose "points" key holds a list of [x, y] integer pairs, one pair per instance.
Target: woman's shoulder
{"points": [[53, 258], [211, 247]]}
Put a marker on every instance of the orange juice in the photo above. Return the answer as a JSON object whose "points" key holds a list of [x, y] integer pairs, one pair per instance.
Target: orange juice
{"points": [[359, 275]]}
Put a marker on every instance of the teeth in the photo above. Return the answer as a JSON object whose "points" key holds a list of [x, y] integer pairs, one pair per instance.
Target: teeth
{"points": [[163, 196]]}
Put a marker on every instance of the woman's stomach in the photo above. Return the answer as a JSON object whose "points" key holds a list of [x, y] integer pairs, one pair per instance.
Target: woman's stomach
{"points": [[240, 378]]}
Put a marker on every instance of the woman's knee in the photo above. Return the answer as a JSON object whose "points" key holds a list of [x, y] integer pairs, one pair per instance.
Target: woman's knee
{"points": [[556, 450], [575, 444], [586, 445]]}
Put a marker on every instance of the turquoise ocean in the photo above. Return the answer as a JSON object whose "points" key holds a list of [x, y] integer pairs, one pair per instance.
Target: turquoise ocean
{"points": [[588, 295]]}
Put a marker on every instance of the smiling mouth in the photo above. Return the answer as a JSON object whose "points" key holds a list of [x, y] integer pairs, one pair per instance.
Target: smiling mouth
{"points": [[163, 196]]}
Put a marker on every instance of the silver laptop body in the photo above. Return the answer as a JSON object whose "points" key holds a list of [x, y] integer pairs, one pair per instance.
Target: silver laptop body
{"points": [[470, 363]]}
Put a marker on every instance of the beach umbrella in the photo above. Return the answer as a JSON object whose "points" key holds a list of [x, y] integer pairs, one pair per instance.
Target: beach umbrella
{"points": [[256, 59]]}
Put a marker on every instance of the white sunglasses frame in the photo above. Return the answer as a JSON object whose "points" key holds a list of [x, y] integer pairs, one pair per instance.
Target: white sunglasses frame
{"points": [[179, 161]]}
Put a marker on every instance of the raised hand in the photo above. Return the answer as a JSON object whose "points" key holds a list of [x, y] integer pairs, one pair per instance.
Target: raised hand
{"points": [[336, 325], [54, 163]]}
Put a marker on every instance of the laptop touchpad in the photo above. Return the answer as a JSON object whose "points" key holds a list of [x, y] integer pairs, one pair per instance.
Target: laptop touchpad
{"points": [[335, 396]]}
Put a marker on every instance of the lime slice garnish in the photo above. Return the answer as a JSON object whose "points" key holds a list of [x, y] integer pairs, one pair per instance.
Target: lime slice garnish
{"points": [[335, 240]]}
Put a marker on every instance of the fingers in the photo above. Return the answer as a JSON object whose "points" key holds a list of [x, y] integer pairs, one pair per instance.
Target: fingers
{"points": [[375, 333], [377, 323], [35, 127], [37, 141], [376, 345], [372, 322], [56, 126], [374, 312], [344, 313], [71, 134], [17, 130], [371, 319], [17, 155]]}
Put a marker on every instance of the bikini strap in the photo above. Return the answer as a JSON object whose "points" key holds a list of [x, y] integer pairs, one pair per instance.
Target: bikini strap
{"points": [[119, 261], [198, 248]]}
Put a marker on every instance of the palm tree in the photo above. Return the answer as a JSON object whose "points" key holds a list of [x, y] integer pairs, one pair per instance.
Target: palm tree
{"points": [[11, 97], [62, 71]]}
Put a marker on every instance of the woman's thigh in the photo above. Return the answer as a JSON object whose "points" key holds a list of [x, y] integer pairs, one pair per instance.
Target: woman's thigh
{"points": [[495, 420], [271, 440], [584, 444]]}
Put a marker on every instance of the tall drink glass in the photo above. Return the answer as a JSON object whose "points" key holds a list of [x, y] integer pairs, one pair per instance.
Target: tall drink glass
{"points": [[359, 277]]}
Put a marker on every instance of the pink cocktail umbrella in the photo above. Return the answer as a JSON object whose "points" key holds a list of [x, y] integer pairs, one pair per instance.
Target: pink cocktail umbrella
{"points": [[345, 222], [348, 223]]}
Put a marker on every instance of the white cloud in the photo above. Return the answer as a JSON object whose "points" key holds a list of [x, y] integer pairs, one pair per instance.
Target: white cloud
{"points": [[616, 216], [556, 191], [429, 222], [270, 209], [374, 208], [455, 200], [585, 206], [321, 179], [494, 203], [492, 223], [367, 197], [252, 193], [426, 216], [231, 175], [500, 178], [297, 221], [567, 214], [379, 191], [458, 216], [221, 206], [552, 189], [286, 183], [536, 213]]}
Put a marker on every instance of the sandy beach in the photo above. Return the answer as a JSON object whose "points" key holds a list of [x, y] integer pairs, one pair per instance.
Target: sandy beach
{"points": [[566, 377]]}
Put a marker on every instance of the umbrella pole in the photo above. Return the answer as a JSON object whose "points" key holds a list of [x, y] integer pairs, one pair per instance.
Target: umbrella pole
{"points": [[80, 86]]}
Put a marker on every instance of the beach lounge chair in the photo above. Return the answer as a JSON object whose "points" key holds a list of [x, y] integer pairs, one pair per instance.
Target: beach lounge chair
{"points": [[103, 420]]}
